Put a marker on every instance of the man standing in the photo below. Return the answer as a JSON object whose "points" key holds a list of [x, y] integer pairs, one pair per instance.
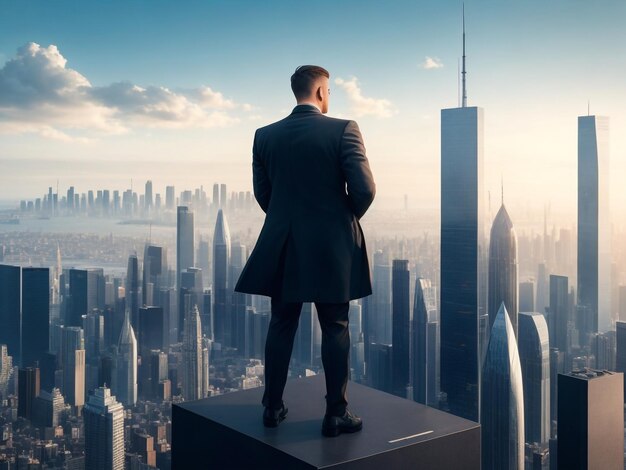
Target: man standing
{"points": [[312, 179]]}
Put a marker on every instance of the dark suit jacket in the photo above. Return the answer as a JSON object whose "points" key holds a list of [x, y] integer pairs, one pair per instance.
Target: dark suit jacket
{"points": [[313, 180]]}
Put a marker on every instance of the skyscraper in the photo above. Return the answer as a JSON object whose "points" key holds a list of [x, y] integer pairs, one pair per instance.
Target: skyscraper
{"points": [[77, 304], [206, 354], [35, 314], [28, 391], [125, 376], [594, 225], [151, 332], [154, 268], [559, 315], [132, 289], [148, 199], [70, 198], [381, 367], [543, 290], [73, 363], [425, 344], [203, 256], [158, 372], [238, 257], [189, 294], [56, 279], [192, 356], [534, 354], [603, 347], [93, 332], [221, 287], [10, 313], [527, 296], [401, 320], [463, 257], [591, 420], [216, 195], [95, 289], [184, 241], [503, 268], [49, 407], [169, 198], [6, 370], [104, 431], [239, 301], [502, 398], [223, 193], [379, 322]]}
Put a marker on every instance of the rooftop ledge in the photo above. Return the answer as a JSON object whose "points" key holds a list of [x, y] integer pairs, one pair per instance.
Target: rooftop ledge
{"points": [[227, 431]]}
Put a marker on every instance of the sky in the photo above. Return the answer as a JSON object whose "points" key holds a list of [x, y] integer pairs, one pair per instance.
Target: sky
{"points": [[94, 94]]}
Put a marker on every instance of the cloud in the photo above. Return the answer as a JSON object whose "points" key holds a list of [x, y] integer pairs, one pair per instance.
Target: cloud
{"points": [[40, 94], [364, 106], [431, 63], [155, 106]]}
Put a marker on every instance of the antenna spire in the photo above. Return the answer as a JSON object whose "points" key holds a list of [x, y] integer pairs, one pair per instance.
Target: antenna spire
{"points": [[458, 82], [502, 188], [464, 102]]}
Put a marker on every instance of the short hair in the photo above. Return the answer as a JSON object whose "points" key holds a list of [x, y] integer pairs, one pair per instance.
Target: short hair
{"points": [[304, 77]]}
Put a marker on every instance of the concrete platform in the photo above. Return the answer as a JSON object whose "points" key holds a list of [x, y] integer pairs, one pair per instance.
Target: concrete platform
{"points": [[227, 432]]}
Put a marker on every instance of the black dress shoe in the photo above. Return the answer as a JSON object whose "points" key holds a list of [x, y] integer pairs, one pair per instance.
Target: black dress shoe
{"points": [[335, 425], [271, 418]]}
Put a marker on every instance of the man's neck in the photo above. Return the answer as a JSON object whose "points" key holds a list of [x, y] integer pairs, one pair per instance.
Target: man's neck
{"points": [[310, 103]]}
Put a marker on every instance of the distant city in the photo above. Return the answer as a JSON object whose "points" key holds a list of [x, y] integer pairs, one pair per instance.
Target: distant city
{"points": [[130, 204]]}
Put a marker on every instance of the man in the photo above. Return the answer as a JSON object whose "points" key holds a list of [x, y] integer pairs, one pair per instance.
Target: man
{"points": [[312, 179]]}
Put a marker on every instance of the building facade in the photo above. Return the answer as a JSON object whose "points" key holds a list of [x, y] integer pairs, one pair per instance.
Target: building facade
{"points": [[463, 258], [104, 431], [594, 226], [502, 396]]}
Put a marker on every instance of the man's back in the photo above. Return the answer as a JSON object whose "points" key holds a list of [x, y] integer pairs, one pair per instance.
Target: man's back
{"points": [[301, 156], [311, 247]]}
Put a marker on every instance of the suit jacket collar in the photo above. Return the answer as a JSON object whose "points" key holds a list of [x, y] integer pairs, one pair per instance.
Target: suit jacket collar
{"points": [[305, 108]]}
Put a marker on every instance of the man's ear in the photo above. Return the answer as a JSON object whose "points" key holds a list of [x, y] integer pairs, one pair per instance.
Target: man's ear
{"points": [[318, 94]]}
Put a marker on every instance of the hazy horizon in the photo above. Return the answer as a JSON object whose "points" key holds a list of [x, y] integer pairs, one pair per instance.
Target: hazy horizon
{"points": [[112, 92]]}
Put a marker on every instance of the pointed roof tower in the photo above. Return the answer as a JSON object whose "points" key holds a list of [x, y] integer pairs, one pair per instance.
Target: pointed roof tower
{"points": [[222, 233], [127, 336]]}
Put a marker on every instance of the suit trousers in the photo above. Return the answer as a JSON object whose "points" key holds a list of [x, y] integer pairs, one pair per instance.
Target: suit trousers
{"points": [[333, 318]]}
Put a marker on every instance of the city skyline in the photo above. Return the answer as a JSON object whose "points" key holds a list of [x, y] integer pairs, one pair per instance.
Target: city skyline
{"points": [[529, 142], [165, 376], [505, 316]]}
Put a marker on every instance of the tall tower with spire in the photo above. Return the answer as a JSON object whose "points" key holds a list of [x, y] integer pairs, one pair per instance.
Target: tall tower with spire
{"points": [[221, 288], [125, 377], [594, 227], [463, 254], [503, 268]]}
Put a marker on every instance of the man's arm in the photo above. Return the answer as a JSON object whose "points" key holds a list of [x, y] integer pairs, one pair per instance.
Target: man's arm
{"points": [[356, 169], [260, 181]]}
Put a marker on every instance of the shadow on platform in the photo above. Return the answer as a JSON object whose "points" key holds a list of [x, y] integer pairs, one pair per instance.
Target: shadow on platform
{"points": [[227, 431]]}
